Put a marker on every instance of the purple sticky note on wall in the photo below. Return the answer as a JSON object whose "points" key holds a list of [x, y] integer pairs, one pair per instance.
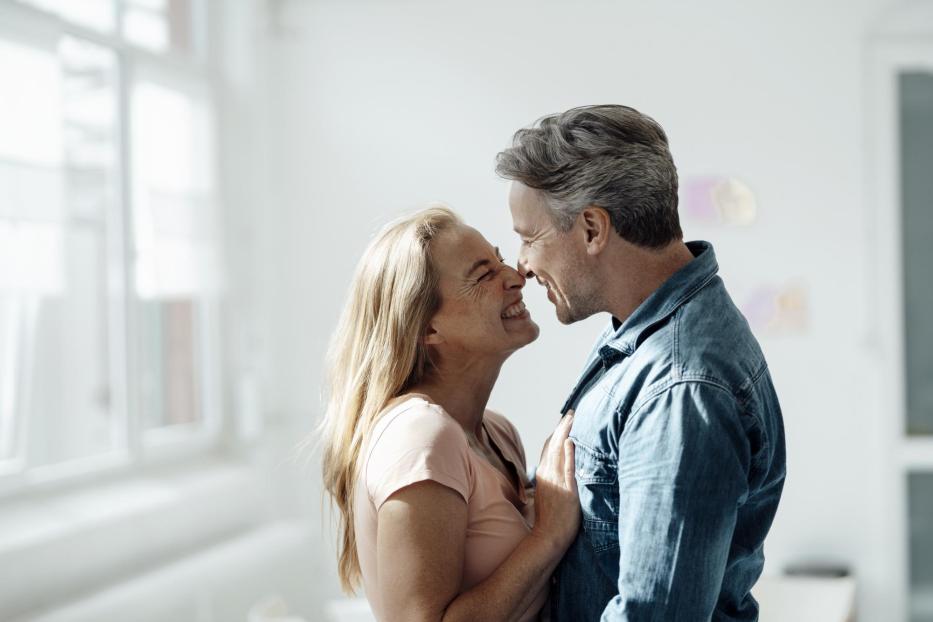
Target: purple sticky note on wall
{"points": [[698, 198]]}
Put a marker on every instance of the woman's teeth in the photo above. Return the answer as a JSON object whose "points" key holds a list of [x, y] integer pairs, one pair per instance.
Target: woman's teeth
{"points": [[517, 309]]}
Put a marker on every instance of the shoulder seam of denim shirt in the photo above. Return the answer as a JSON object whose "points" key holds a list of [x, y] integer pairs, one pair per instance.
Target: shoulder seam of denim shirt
{"points": [[676, 363], [733, 418], [679, 370], [745, 388], [661, 387]]}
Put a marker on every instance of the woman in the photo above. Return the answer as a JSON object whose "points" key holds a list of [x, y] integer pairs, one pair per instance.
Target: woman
{"points": [[430, 484]]}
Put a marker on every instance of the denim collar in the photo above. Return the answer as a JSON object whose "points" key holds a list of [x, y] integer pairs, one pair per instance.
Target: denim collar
{"points": [[621, 338]]}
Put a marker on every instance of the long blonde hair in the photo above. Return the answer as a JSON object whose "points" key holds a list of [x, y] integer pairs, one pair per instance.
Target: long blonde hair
{"points": [[377, 353]]}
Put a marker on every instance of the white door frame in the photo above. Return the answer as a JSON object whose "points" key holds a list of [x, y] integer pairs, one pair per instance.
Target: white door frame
{"points": [[888, 56]]}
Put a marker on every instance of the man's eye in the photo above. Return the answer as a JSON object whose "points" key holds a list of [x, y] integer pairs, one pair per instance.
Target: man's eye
{"points": [[485, 276]]}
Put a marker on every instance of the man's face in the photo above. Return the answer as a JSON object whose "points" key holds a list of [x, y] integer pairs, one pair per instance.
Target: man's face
{"points": [[557, 259]]}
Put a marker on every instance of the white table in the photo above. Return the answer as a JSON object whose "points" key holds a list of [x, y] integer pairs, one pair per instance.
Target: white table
{"points": [[805, 599]]}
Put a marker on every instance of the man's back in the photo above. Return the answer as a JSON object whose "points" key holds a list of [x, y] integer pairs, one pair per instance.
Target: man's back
{"points": [[680, 461]]}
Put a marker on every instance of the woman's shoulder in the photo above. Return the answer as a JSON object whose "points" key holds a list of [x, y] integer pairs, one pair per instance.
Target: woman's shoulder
{"points": [[415, 423], [415, 440]]}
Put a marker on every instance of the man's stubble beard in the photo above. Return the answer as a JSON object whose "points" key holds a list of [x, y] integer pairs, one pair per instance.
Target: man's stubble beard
{"points": [[579, 305]]}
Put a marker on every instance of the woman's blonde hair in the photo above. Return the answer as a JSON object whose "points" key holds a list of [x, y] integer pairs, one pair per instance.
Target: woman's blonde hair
{"points": [[377, 353]]}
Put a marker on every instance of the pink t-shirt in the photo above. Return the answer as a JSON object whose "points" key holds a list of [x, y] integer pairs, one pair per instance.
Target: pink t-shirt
{"points": [[415, 441]]}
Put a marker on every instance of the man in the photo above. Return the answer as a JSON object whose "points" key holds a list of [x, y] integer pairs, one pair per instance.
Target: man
{"points": [[678, 432]]}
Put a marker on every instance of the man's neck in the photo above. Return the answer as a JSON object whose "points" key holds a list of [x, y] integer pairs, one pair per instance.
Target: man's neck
{"points": [[643, 272]]}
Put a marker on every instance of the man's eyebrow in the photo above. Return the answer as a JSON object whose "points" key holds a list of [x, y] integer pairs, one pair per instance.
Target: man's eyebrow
{"points": [[481, 262]]}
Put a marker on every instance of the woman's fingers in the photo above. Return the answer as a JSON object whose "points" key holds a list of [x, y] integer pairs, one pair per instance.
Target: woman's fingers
{"points": [[569, 464], [558, 436], [564, 466], [556, 498], [563, 427], [556, 462]]}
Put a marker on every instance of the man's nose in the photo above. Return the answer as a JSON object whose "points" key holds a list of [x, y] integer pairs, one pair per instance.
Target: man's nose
{"points": [[522, 265]]}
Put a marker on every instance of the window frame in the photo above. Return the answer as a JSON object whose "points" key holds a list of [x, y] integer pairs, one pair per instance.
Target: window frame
{"points": [[29, 25], [889, 54]]}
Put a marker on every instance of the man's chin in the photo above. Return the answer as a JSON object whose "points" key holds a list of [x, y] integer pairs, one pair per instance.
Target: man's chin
{"points": [[568, 316], [565, 316]]}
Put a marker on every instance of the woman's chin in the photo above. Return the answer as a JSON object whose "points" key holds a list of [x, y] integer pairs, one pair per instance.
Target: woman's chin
{"points": [[531, 332], [535, 334], [521, 330]]}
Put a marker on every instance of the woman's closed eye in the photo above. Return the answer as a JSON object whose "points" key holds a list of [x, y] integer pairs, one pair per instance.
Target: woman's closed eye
{"points": [[491, 273]]}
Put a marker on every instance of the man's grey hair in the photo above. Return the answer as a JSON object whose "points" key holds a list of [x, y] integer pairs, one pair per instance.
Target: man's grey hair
{"points": [[607, 156]]}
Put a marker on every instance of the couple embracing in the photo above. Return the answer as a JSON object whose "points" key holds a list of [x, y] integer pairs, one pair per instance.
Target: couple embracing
{"points": [[653, 496]]}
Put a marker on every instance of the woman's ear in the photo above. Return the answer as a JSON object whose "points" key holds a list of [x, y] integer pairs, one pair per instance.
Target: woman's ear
{"points": [[597, 227], [432, 337]]}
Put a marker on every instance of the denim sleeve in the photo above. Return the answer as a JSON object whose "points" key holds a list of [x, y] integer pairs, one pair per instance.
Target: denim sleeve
{"points": [[683, 470]]}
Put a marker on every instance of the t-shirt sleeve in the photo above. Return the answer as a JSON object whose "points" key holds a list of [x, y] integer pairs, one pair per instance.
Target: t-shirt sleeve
{"points": [[418, 444]]}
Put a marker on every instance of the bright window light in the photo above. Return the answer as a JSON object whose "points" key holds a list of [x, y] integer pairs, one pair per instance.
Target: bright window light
{"points": [[30, 114], [172, 193], [96, 14]]}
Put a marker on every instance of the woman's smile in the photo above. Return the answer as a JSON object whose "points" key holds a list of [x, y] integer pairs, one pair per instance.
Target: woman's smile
{"points": [[515, 311]]}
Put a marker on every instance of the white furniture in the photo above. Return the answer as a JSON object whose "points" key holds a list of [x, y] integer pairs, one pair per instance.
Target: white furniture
{"points": [[266, 575], [348, 610], [805, 599]]}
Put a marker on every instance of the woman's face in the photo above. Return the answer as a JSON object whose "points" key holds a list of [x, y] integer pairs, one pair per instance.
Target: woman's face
{"points": [[481, 309]]}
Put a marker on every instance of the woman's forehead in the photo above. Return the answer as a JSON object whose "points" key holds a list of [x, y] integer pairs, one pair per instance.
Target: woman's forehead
{"points": [[462, 245], [462, 242]]}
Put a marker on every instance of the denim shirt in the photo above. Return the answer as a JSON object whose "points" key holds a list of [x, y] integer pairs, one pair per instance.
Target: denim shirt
{"points": [[680, 461]]}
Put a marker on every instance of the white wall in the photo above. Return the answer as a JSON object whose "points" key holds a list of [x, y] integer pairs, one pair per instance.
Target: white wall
{"points": [[374, 107]]}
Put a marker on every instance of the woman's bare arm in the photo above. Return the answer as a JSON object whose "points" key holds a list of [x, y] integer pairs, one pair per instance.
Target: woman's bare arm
{"points": [[420, 548]]}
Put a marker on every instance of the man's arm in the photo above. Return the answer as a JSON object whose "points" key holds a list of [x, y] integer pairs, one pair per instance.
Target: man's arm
{"points": [[683, 470]]}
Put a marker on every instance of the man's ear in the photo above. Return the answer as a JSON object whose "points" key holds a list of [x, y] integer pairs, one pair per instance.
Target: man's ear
{"points": [[597, 227], [432, 337]]}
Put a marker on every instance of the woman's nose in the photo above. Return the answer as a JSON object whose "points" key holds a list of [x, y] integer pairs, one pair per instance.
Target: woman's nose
{"points": [[514, 279]]}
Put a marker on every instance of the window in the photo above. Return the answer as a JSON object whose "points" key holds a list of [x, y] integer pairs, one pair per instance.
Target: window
{"points": [[915, 96], [177, 269], [109, 252], [159, 25], [916, 139], [920, 500], [96, 14], [901, 107]]}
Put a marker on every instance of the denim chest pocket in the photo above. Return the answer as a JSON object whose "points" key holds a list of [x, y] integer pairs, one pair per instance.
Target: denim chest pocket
{"points": [[599, 496]]}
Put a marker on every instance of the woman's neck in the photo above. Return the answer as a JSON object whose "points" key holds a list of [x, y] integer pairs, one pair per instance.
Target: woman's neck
{"points": [[463, 393]]}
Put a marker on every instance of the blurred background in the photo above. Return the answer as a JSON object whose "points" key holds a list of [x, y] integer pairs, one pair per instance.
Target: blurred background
{"points": [[186, 186]]}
